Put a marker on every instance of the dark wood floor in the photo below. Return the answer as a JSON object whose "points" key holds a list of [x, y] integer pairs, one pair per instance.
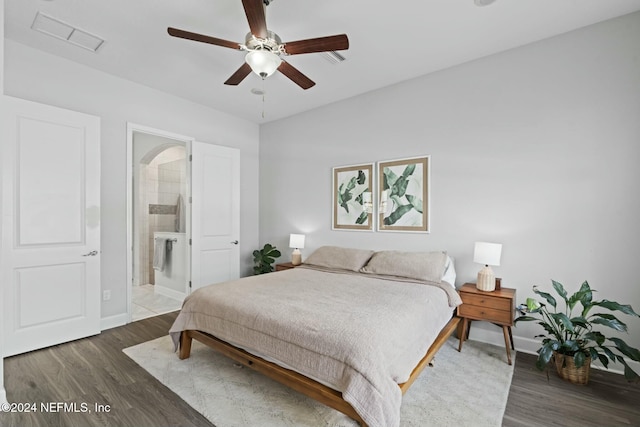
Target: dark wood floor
{"points": [[608, 400], [96, 371]]}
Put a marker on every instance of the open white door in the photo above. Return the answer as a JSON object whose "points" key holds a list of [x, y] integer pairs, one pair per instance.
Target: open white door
{"points": [[51, 225], [215, 217]]}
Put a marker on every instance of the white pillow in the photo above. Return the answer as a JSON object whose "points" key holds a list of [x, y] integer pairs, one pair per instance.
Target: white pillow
{"points": [[449, 274]]}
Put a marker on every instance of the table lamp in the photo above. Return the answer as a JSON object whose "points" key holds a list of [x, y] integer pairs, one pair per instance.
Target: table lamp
{"points": [[487, 254], [296, 241]]}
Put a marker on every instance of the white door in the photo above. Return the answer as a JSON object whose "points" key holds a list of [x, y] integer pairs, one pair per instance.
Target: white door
{"points": [[50, 225], [215, 214]]}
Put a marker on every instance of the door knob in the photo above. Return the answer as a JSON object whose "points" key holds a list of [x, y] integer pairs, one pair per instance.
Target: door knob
{"points": [[92, 253], [235, 242]]}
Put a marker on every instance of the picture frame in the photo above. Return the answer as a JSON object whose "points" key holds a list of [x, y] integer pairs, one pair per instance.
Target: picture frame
{"points": [[403, 195], [349, 185]]}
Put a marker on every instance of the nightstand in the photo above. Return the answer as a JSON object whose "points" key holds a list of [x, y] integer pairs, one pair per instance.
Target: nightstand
{"points": [[497, 307], [284, 266]]}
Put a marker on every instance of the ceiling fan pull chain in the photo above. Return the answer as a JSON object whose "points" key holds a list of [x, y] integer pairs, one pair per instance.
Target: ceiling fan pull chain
{"points": [[263, 93]]}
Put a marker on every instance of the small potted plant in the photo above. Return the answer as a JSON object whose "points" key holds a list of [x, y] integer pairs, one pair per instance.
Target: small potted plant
{"points": [[571, 340], [263, 258]]}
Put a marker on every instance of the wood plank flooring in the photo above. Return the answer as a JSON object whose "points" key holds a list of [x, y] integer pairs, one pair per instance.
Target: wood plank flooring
{"points": [[608, 399], [96, 371]]}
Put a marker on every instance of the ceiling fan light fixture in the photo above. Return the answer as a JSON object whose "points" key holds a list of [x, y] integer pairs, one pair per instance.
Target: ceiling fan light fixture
{"points": [[265, 47], [481, 3], [263, 62]]}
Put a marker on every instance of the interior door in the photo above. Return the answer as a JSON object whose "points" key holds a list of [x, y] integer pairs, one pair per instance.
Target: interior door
{"points": [[50, 225], [215, 217]]}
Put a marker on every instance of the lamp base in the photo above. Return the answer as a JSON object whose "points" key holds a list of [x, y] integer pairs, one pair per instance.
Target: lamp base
{"points": [[296, 257], [486, 280]]}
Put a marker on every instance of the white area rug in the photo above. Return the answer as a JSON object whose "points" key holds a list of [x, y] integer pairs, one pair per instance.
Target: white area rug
{"points": [[461, 389]]}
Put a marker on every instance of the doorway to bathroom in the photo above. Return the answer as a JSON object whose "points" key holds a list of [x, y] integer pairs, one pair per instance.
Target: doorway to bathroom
{"points": [[160, 220], [181, 193]]}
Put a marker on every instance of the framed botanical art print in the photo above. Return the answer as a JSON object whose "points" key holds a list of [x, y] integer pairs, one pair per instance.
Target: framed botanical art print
{"points": [[403, 193], [352, 187]]}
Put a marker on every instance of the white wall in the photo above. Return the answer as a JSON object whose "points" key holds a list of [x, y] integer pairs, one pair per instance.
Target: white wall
{"points": [[536, 148], [40, 77], [3, 395]]}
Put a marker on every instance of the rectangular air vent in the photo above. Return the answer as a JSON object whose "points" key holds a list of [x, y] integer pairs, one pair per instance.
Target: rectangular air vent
{"points": [[63, 31], [333, 56]]}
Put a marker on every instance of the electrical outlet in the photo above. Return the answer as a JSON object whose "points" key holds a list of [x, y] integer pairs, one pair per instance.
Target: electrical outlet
{"points": [[106, 295]]}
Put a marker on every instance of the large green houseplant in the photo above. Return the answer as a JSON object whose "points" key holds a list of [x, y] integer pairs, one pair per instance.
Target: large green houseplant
{"points": [[574, 336], [264, 258]]}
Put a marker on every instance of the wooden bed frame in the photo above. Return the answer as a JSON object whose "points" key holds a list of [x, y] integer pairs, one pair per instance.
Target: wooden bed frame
{"points": [[299, 382]]}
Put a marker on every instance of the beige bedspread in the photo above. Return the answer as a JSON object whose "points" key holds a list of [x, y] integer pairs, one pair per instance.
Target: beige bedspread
{"points": [[361, 335]]}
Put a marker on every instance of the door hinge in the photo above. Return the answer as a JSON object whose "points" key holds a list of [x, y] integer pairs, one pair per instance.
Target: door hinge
{"points": [[189, 284], [190, 242], [190, 199], [190, 157]]}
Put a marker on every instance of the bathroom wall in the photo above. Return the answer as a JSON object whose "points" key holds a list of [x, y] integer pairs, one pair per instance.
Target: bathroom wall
{"points": [[161, 181], [172, 183]]}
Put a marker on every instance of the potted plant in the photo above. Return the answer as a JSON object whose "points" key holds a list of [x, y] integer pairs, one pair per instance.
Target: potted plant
{"points": [[572, 340], [263, 258]]}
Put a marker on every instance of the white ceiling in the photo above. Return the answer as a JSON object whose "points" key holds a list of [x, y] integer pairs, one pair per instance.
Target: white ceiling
{"points": [[390, 41]]}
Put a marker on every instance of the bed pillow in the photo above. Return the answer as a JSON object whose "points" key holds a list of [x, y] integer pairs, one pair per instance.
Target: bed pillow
{"points": [[449, 274], [337, 257], [427, 266]]}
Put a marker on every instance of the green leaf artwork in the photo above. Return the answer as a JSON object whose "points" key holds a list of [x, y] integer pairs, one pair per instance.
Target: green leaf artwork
{"points": [[350, 183], [404, 184], [345, 193]]}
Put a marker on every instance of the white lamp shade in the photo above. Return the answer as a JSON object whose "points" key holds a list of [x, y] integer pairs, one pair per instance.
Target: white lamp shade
{"points": [[296, 241], [487, 253], [263, 62]]}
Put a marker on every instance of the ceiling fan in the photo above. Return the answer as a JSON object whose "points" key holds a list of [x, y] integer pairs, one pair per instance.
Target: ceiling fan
{"points": [[265, 49]]}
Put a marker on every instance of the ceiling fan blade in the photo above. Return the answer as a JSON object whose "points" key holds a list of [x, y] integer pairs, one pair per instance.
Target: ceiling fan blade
{"points": [[239, 75], [202, 38], [295, 75], [320, 44], [256, 17]]}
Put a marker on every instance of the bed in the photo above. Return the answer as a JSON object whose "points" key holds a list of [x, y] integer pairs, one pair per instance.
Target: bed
{"points": [[350, 328]]}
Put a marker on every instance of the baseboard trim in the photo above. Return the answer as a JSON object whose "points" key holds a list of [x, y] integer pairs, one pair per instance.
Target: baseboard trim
{"points": [[114, 321], [530, 346]]}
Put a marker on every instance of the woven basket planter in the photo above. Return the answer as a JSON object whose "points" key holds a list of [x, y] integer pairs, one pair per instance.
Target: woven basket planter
{"points": [[567, 369]]}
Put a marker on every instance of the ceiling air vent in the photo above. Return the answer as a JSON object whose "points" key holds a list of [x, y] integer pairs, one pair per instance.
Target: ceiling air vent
{"points": [[333, 56], [63, 31]]}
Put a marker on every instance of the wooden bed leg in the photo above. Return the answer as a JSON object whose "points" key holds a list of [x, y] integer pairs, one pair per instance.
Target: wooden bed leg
{"points": [[185, 345]]}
